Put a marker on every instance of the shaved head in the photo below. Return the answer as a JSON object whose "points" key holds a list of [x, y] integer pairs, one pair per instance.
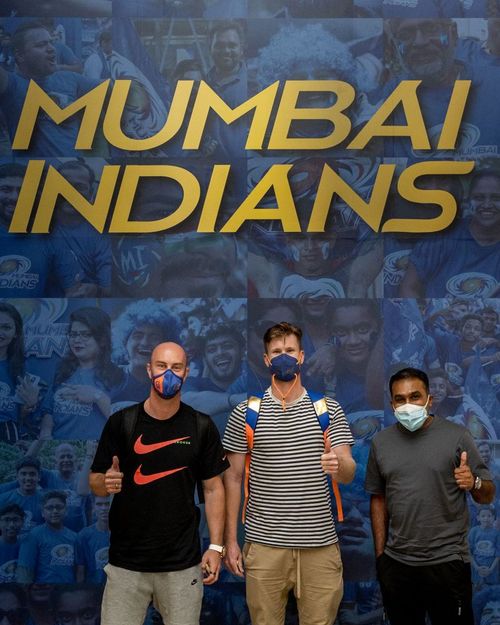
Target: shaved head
{"points": [[169, 350]]}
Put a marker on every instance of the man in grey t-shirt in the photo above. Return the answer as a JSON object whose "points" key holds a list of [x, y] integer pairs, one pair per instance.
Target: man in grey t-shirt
{"points": [[418, 473]]}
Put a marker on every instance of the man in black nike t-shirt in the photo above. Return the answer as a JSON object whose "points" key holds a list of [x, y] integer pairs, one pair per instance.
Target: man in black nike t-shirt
{"points": [[150, 457]]}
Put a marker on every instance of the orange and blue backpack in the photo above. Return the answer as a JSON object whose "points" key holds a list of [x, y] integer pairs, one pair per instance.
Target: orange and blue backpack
{"points": [[251, 418]]}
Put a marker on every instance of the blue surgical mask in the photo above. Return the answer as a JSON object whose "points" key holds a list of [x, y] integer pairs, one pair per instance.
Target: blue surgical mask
{"points": [[412, 416], [284, 367], [167, 384]]}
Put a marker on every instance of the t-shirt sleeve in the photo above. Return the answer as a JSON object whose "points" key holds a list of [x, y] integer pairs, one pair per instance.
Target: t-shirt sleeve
{"points": [[338, 430], [374, 481], [477, 466], [28, 552], [108, 445], [235, 439], [213, 457]]}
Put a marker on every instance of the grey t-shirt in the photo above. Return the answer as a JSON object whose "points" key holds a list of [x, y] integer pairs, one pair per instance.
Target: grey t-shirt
{"points": [[428, 515]]}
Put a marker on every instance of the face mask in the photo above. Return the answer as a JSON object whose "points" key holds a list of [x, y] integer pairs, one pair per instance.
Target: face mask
{"points": [[411, 416], [167, 384], [284, 367]]}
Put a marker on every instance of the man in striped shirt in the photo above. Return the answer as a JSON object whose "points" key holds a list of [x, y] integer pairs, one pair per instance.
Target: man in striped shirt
{"points": [[291, 543]]}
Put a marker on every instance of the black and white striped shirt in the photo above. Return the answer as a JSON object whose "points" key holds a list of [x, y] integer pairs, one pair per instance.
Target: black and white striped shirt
{"points": [[289, 504]]}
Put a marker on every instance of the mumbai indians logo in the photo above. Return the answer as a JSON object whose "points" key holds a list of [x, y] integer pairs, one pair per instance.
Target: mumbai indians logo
{"points": [[472, 284], [395, 265], [135, 261], [6, 399], [365, 424], [14, 273], [467, 144], [495, 380], [62, 555], [101, 557], [70, 406], [45, 337], [8, 572]]}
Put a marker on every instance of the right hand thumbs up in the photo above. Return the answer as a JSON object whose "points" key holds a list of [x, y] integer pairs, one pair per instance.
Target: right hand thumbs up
{"points": [[113, 477]]}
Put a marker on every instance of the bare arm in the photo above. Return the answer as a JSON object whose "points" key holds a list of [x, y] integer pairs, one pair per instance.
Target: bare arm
{"points": [[347, 464], [97, 484], [380, 522], [485, 494], [213, 489], [233, 478], [465, 481], [109, 483], [411, 285]]}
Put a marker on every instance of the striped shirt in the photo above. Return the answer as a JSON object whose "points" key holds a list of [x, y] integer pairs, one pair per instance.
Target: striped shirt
{"points": [[289, 504]]}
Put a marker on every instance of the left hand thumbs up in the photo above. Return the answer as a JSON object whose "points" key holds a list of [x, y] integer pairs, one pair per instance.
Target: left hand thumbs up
{"points": [[463, 474], [329, 459]]}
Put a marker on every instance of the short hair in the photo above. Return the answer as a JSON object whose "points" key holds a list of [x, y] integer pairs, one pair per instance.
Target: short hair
{"points": [[479, 175], [409, 373], [54, 494], [12, 170], [13, 508], [371, 306], [490, 310], [281, 330], [105, 35], [437, 373], [223, 329], [77, 164], [392, 24], [470, 316], [19, 37], [488, 507], [187, 65], [28, 461], [223, 26]]}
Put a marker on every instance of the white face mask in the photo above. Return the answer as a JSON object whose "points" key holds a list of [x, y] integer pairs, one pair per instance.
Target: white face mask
{"points": [[411, 416]]}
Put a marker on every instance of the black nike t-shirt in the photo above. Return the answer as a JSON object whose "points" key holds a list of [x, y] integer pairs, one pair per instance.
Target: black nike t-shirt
{"points": [[154, 519]]}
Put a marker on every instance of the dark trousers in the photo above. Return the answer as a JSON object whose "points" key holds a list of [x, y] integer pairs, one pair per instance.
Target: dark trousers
{"points": [[443, 591]]}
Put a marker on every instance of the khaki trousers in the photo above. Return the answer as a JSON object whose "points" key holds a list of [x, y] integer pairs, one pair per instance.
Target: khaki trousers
{"points": [[314, 575]]}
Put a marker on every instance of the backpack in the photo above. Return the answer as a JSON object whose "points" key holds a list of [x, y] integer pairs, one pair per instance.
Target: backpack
{"points": [[129, 422], [251, 418]]}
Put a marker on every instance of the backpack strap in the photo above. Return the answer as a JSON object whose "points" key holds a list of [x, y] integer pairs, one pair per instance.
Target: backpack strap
{"points": [[321, 409], [251, 418], [128, 424], [201, 432]]}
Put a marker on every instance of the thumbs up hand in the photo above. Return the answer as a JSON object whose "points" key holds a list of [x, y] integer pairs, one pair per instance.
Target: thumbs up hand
{"points": [[463, 474], [329, 459], [113, 477]]}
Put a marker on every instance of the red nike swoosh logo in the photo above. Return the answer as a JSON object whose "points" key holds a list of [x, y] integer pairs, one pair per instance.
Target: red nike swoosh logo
{"points": [[142, 448], [141, 479]]}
